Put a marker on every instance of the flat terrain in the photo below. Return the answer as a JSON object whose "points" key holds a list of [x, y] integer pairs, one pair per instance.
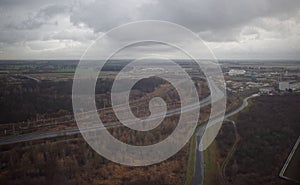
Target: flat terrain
{"points": [[42, 98], [293, 167], [268, 130]]}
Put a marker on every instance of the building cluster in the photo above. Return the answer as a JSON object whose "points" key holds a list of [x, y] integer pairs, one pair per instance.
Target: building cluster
{"points": [[265, 80], [236, 72], [288, 86]]}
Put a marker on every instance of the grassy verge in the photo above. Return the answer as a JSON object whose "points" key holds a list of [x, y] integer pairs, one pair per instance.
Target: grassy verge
{"points": [[250, 103], [211, 167], [191, 161], [240, 102]]}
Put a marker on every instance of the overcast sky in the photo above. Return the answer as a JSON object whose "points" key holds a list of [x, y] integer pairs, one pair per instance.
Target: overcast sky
{"points": [[233, 29]]}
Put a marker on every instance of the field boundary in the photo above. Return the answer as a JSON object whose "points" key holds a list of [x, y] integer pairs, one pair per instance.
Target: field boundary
{"points": [[281, 174]]}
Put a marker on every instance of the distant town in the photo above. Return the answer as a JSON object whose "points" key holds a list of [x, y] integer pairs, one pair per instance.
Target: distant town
{"points": [[39, 137]]}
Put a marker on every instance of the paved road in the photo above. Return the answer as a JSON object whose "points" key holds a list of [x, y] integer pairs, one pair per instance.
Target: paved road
{"points": [[52, 134], [32, 78], [199, 160], [199, 168]]}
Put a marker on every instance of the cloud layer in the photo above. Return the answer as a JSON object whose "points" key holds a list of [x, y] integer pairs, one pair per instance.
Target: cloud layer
{"points": [[232, 28]]}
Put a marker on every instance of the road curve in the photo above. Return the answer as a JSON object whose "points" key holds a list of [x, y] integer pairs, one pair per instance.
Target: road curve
{"points": [[52, 134], [198, 176]]}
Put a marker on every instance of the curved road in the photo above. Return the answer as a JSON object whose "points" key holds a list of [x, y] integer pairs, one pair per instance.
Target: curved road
{"points": [[51, 134], [199, 160]]}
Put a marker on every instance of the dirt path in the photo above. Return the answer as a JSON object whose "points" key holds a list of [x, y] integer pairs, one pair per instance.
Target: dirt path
{"points": [[231, 152]]}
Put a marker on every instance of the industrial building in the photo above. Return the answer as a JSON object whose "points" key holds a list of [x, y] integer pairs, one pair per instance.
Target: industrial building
{"points": [[236, 72], [267, 90], [285, 86]]}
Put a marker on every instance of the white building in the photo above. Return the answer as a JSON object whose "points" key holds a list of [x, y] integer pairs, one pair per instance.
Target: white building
{"points": [[295, 86], [283, 86], [266, 90], [236, 72]]}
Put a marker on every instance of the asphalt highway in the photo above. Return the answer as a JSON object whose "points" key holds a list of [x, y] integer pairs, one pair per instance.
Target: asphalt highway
{"points": [[52, 134], [199, 159]]}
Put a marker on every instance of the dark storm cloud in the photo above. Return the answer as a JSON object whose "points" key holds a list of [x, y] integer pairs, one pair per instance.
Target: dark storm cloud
{"points": [[41, 17], [231, 26], [198, 15], [103, 15], [202, 15]]}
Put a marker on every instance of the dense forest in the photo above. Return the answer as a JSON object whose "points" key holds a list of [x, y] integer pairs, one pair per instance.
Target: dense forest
{"points": [[268, 130], [27, 99]]}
